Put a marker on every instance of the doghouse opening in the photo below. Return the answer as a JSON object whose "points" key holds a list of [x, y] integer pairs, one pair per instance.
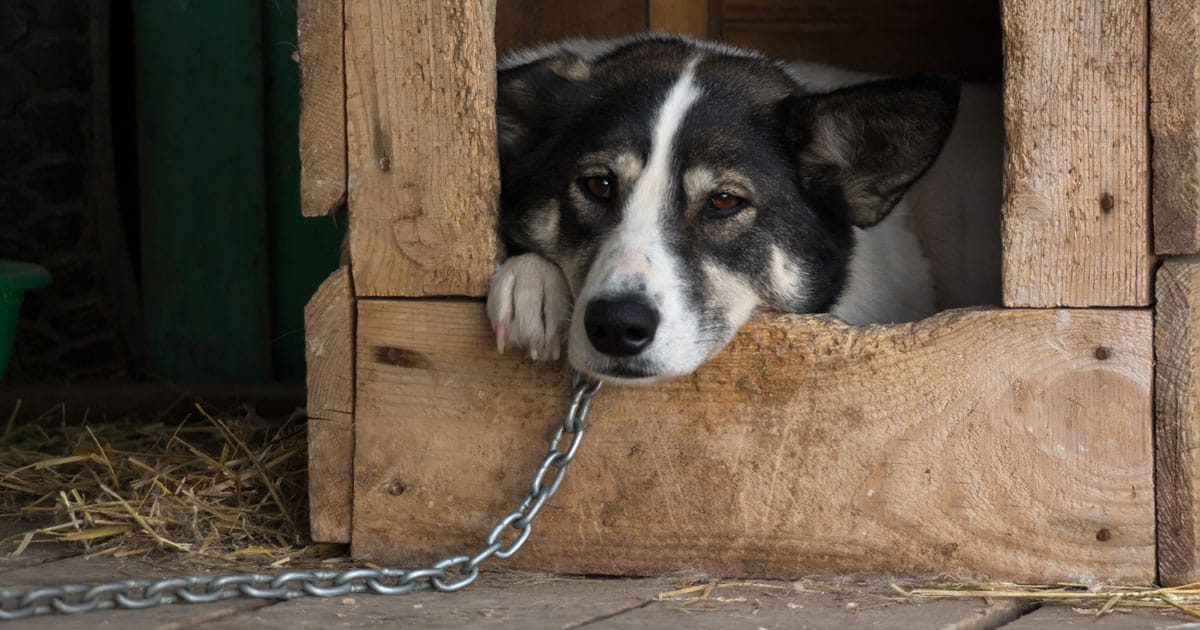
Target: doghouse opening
{"points": [[902, 37]]}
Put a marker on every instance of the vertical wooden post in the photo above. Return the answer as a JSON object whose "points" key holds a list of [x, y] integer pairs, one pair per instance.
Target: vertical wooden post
{"points": [[1175, 124], [1076, 215], [329, 342], [421, 139], [323, 107], [1177, 407]]}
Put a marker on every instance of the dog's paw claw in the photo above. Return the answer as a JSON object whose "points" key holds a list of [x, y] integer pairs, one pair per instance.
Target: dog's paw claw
{"points": [[529, 305]]}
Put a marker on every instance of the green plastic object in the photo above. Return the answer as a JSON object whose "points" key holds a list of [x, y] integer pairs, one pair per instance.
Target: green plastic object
{"points": [[15, 279]]}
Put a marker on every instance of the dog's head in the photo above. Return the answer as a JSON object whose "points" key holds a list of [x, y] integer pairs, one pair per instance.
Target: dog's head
{"points": [[681, 187]]}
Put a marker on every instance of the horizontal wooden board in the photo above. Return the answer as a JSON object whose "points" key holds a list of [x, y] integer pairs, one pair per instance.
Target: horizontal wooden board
{"points": [[687, 17], [885, 36], [1077, 176], [1175, 124], [521, 23], [1004, 444]]}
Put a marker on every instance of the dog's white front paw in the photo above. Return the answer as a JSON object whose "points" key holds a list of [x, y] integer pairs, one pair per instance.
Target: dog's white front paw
{"points": [[529, 304]]}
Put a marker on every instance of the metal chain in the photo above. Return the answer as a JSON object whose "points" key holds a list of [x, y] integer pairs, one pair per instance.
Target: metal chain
{"points": [[448, 575]]}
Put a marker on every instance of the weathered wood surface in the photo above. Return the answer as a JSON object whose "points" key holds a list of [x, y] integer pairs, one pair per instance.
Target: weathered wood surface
{"points": [[1177, 402], [1076, 216], [521, 23], [1004, 444], [329, 350], [1175, 124], [322, 107], [421, 134], [536, 603], [687, 17], [1054, 617], [886, 36]]}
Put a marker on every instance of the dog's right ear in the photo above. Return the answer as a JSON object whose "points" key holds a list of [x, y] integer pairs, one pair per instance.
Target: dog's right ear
{"points": [[533, 100]]}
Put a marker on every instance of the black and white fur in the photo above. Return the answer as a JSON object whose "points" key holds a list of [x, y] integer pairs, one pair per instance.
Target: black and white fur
{"points": [[846, 200]]}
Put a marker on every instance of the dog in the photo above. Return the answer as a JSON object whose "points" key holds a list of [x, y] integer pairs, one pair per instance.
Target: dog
{"points": [[657, 191]]}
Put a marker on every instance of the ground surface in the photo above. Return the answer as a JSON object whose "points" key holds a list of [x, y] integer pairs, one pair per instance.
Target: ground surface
{"points": [[540, 601]]}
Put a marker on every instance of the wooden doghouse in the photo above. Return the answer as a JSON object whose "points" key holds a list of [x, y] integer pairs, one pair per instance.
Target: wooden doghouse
{"points": [[1051, 439]]}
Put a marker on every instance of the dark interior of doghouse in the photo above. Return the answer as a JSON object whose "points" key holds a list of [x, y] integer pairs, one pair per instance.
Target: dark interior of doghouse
{"points": [[885, 37], [961, 37]]}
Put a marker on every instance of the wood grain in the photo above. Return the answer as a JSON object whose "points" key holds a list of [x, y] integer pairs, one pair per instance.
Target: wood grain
{"points": [[687, 17], [1076, 215], [1175, 124], [1177, 409], [884, 36], [322, 107], [329, 351], [421, 128], [1002, 444], [521, 23]]}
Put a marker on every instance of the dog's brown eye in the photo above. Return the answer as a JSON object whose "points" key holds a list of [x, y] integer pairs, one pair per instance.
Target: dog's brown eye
{"points": [[723, 205], [599, 188]]}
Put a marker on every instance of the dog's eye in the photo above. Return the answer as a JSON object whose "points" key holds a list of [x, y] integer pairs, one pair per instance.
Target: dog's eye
{"points": [[599, 188], [723, 205]]}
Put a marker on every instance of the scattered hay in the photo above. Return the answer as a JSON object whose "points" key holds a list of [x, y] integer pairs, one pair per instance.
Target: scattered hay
{"points": [[229, 491], [1093, 600], [220, 490]]}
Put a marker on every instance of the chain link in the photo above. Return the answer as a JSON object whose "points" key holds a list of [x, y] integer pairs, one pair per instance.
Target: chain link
{"points": [[448, 575]]}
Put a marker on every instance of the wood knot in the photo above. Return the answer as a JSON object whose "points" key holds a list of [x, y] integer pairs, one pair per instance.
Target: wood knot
{"points": [[1104, 535], [1103, 353], [400, 357], [385, 163], [395, 488], [1106, 203]]}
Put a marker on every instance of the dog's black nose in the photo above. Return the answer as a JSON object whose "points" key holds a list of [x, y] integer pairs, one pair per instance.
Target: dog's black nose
{"points": [[621, 327]]}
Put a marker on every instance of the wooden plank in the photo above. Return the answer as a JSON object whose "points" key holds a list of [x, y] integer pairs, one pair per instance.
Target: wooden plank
{"points": [[883, 36], [1076, 214], [1052, 617], [421, 132], [524, 602], [687, 17], [1003, 444], [532, 603], [521, 23], [329, 342], [322, 107], [1177, 409], [1175, 124]]}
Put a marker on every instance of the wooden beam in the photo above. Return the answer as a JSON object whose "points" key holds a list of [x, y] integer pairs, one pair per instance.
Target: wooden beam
{"points": [[329, 341], [687, 17], [1076, 216], [322, 107], [883, 36], [521, 23], [1004, 444], [1175, 124], [423, 174], [1177, 408]]}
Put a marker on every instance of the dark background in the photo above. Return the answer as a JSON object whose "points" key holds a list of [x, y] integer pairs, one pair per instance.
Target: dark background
{"points": [[149, 160]]}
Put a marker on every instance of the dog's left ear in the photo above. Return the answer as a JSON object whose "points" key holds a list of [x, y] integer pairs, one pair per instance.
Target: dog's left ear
{"points": [[860, 148], [533, 99]]}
